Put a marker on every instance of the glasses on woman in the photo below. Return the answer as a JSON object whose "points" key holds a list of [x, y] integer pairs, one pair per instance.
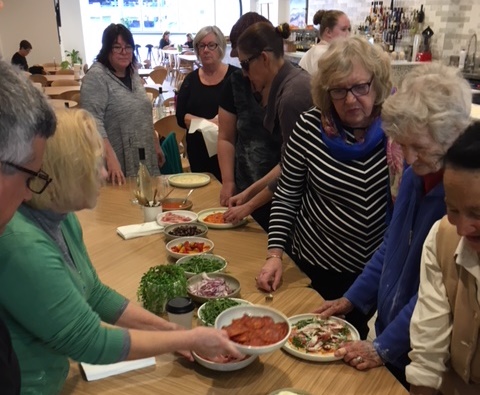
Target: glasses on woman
{"points": [[38, 181], [119, 49], [357, 90], [210, 46], [245, 64]]}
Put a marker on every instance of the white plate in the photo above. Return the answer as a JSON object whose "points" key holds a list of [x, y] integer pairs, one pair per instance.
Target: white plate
{"points": [[231, 281], [289, 391], [193, 239], [204, 213], [189, 180], [226, 317], [224, 367], [318, 357], [201, 308], [184, 213], [213, 257]]}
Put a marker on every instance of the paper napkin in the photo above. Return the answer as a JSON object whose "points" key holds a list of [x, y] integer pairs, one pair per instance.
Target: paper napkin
{"points": [[96, 372], [209, 131], [145, 229]]}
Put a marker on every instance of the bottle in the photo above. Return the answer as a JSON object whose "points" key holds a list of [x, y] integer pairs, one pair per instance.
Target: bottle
{"points": [[461, 59], [159, 108], [144, 181]]}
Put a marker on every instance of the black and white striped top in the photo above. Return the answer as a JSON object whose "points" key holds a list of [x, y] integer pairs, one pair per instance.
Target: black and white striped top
{"points": [[335, 209]]}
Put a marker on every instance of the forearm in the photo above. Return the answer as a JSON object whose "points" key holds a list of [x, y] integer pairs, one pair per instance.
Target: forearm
{"points": [[259, 186], [258, 200], [136, 317], [275, 252], [109, 152], [226, 160]]}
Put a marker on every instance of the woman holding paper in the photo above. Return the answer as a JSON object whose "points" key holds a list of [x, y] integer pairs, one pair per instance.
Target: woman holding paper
{"points": [[200, 92], [50, 296]]}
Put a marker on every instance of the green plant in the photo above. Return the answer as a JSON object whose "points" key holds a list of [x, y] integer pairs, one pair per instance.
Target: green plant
{"points": [[74, 58], [160, 284]]}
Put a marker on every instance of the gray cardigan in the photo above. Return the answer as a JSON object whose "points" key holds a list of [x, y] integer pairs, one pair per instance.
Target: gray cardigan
{"points": [[123, 116]]}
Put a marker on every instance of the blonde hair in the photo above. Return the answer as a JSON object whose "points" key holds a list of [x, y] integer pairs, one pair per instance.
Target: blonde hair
{"points": [[337, 64], [72, 158], [432, 96]]}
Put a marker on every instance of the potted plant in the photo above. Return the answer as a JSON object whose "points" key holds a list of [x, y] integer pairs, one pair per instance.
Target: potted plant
{"points": [[160, 284], [74, 59]]}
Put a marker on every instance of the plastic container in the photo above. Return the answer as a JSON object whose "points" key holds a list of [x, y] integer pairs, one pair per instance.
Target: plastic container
{"points": [[180, 311]]}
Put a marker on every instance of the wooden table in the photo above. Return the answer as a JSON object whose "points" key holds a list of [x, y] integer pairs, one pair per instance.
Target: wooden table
{"points": [[120, 264], [60, 103], [55, 77], [54, 91], [188, 58]]}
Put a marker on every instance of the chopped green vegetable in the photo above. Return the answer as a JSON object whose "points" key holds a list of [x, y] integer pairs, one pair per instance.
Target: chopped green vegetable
{"points": [[160, 284], [200, 264], [213, 308]]}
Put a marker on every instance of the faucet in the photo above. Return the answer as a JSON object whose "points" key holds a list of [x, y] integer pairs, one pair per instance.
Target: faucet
{"points": [[470, 64]]}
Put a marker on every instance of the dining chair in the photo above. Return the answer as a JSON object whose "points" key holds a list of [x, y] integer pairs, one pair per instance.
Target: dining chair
{"points": [[65, 83], [164, 127], [73, 95], [39, 78], [65, 72], [153, 91], [158, 75]]}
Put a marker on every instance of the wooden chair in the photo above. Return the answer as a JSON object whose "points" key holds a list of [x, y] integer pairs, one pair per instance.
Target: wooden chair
{"points": [[39, 78], [158, 75], [65, 83], [153, 91], [70, 95], [65, 72], [164, 127]]}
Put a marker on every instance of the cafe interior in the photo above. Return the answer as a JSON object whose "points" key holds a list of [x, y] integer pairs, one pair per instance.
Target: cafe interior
{"points": [[126, 233]]}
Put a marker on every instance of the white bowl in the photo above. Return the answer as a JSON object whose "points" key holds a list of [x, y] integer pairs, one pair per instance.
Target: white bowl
{"points": [[215, 258], [226, 366], [161, 220], [231, 281], [193, 239], [202, 308], [226, 317]]}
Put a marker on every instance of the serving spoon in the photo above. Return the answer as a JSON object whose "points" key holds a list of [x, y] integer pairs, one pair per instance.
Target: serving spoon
{"points": [[186, 197]]}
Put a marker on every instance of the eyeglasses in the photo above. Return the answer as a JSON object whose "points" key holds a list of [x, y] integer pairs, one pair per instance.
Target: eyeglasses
{"points": [[245, 64], [357, 90], [38, 181], [119, 49], [210, 46]]}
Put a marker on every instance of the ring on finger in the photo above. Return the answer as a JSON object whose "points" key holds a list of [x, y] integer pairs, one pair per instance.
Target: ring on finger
{"points": [[358, 359]]}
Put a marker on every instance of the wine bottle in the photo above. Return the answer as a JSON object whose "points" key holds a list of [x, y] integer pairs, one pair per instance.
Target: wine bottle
{"points": [[144, 181]]}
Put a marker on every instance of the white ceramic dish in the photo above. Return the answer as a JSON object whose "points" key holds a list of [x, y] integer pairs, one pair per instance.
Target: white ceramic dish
{"points": [[213, 257], [162, 218], [204, 213], [181, 240], [172, 227], [202, 308], [226, 317], [189, 180], [231, 281], [317, 357], [224, 367], [289, 391]]}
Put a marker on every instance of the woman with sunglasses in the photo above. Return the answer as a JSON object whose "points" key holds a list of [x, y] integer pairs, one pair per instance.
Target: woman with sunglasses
{"points": [[199, 95], [282, 90], [51, 298], [113, 92], [335, 188]]}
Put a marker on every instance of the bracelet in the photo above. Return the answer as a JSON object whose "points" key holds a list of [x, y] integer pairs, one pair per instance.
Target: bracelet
{"points": [[270, 256]]}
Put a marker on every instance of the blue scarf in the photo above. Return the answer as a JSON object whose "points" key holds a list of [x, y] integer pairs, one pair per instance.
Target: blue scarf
{"points": [[343, 151]]}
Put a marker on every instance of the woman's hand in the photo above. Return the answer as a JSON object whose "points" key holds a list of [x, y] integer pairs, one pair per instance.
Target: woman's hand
{"points": [[227, 191], [236, 214], [269, 277], [214, 120], [336, 307], [115, 174], [211, 343], [238, 199], [360, 354], [160, 155]]}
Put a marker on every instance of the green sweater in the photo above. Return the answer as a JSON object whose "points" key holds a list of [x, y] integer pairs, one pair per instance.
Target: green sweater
{"points": [[53, 310]]}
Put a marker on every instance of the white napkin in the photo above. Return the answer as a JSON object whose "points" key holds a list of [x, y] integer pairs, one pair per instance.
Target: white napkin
{"points": [[96, 372], [145, 229], [209, 131]]}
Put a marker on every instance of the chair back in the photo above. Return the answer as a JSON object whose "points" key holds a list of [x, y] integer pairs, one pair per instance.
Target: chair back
{"points": [[65, 83], [158, 75], [65, 72], [70, 95], [168, 124], [39, 78], [153, 91], [173, 162]]}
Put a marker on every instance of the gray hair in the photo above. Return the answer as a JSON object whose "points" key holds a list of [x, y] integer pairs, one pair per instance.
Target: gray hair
{"points": [[432, 96], [24, 115], [203, 32]]}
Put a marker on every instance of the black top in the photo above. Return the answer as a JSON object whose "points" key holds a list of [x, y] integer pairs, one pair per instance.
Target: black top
{"points": [[164, 43], [20, 60], [9, 369], [189, 44]]}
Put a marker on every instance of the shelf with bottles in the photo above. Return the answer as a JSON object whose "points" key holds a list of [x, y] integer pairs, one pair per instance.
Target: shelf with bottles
{"points": [[303, 39]]}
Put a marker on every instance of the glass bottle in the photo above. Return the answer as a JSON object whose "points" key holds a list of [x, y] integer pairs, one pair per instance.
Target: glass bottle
{"points": [[144, 180]]}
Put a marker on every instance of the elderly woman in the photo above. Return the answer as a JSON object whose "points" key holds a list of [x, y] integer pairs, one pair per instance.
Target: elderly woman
{"points": [[425, 116], [281, 88], [46, 272], [113, 92], [445, 323], [334, 192], [333, 24], [200, 94]]}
